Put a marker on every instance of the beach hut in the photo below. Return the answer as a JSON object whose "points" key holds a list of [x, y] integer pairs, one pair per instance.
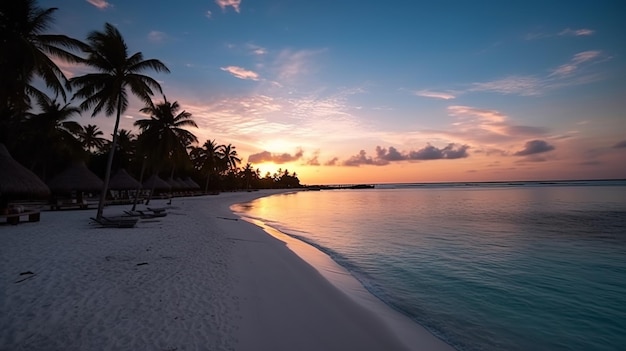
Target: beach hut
{"points": [[174, 185], [157, 183], [122, 185], [123, 181], [76, 179], [17, 182], [191, 184]]}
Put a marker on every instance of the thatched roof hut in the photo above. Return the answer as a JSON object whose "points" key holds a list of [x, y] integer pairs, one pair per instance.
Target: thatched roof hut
{"points": [[76, 177], [123, 181], [156, 182], [175, 184], [192, 185], [18, 181]]}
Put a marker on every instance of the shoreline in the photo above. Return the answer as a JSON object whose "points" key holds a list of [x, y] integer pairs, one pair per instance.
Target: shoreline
{"points": [[410, 333], [199, 278]]}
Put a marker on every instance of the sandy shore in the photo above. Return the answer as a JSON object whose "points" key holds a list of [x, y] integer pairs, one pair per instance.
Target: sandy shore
{"points": [[198, 279]]}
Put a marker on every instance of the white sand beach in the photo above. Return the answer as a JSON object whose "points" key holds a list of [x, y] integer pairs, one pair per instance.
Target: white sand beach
{"points": [[198, 279]]}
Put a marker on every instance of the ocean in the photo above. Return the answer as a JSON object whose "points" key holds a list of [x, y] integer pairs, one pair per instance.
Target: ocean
{"points": [[483, 266]]}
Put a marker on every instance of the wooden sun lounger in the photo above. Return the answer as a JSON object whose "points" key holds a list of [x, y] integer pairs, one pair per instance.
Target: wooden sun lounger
{"points": [[144, 215], [14, 218], [157, 210], [117, 222]]}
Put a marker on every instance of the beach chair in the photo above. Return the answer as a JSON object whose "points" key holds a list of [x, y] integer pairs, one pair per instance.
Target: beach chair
{"points": [[144, 215], [158, 211], [117, 222]]}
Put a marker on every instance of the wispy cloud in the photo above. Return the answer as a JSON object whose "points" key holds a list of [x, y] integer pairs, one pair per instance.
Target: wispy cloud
{"points": [[257, 50], [235, 4], [435, 94], [101, 4], [209, 14], [575, 62], [292, 64], [583, 32], [241, 73], [156, 37], [563, 76], [518, 85], [620, 145], [485, 126]]}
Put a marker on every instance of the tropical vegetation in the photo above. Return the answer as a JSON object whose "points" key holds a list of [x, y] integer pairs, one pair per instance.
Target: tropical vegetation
{"points": [[39, 122]]}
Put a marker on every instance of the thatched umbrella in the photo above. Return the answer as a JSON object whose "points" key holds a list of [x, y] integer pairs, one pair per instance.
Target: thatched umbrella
{"points": [[155, 182], [76, 177], [192, 185], [123, 181], [16, 181]]}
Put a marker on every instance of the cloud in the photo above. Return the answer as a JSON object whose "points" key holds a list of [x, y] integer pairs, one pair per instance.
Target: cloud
{"points": [[209, 14], [362, 159], [293, 64], [519, 85], [101, 4], [314, 161], [535, 85], [385, 156], [583, 32], [156, 37], [391, 154], [257, 50], [620, 145], [266, 156], [451, 151], [575, 62], [235, 4], [534, 147], [490, 126], [435, 94], [332, 162], [241, 73]]}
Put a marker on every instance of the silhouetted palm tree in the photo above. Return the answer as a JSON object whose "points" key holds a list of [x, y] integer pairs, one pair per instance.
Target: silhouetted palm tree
{"points": [[106, 90], [248, 174], [25, 53], [52, 134], [90, 138], [205, 159], [164, 132], [229, 156]]}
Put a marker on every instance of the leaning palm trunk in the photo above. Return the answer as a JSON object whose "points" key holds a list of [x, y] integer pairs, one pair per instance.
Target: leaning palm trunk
{"points": [[107, 174], [143, 167]]}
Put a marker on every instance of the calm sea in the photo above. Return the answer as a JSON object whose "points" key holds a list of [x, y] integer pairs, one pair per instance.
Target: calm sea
{"points": [[484, 266]]}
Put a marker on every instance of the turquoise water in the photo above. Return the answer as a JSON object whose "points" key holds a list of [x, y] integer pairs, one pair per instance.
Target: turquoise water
{"points": [[525, 266]]}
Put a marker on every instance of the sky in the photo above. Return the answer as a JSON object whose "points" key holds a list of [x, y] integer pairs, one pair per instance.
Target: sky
{"points": [[347, 92]]}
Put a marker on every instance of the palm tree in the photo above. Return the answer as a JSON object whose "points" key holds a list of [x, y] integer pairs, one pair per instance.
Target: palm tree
{"points": [[205, 159], [26, 54], [164, 132], [249, 173], [229, 156], [162, 136], [106, 90], [52, 134], [90, 138]]}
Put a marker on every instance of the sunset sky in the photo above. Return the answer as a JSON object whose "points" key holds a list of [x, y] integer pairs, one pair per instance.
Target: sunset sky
{"points": [[378, 92]]}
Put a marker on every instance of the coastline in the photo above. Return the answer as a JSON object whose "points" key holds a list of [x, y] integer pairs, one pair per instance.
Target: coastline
{"points": [[197, 279]]}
